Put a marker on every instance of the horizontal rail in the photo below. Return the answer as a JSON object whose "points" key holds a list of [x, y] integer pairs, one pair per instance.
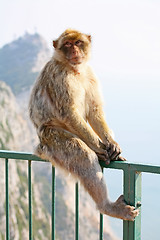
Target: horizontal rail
{"points": [[20, 156], [117, 164], [137, 167]]}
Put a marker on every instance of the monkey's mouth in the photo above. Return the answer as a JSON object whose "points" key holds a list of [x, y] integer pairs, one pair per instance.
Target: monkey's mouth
{"points": [[76, 60]]}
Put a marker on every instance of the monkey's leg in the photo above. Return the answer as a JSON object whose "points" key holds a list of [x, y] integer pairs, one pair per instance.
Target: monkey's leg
{"points": [[72, 154]]}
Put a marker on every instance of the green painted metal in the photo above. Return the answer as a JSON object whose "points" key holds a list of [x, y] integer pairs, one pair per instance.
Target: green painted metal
{"points": [[30, 198], [53, 202], [77, 211], [7, 200], [132, 193], [101, 224], [134, 166], [101, 227], [117, 164], [20, 156], [138, 191]]}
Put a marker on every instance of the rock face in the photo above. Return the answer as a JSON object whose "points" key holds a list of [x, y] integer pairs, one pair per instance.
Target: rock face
{"points": [[14, 133], [21, 61]]}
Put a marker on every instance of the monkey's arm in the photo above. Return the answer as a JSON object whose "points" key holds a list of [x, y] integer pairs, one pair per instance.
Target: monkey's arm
{"points": [[77, 125], [99, 125], [97, 120], [96, 115]]}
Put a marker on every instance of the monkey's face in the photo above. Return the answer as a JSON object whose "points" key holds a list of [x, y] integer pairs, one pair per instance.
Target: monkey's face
{"points": [[73, 51], [73, 47]]}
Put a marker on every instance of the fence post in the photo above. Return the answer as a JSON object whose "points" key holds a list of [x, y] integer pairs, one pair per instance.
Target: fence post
{"points": [[53, 202], [30, 198], [132, 195], [101, 223], [7, 202], [77, 211]]}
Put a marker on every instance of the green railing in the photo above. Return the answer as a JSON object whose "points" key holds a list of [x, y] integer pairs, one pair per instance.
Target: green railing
{"points": [[131, 186]]}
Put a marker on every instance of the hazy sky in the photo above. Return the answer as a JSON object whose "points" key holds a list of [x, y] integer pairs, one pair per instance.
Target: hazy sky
{"points": [[126, 34], [125, 56]]}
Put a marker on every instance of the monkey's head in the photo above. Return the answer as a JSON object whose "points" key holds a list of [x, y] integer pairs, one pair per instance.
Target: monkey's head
{"points": [[72, 47]]}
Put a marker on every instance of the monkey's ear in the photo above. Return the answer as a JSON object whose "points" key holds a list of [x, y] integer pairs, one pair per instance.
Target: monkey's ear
{"points": [[55, 44], [89, 37]]}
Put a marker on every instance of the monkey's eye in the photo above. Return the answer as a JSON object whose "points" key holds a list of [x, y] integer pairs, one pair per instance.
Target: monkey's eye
{"points": [[67, 44], [78, 43]]}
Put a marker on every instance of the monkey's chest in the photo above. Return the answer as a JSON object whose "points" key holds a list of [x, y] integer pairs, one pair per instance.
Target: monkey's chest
{"points": [[79, 98]]}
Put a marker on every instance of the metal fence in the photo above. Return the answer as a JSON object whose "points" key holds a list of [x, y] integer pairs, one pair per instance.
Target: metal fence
{"points": [[131, 187]]}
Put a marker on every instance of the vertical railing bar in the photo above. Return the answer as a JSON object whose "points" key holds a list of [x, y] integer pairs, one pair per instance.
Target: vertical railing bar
{"points": [[138, 191], [132, 194], [53, 202], [101, 224], [101, 227], [77, 211], [30, 198], [7, 200], [126, 180]]}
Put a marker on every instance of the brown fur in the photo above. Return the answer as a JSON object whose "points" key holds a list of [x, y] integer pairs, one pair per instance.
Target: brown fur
{"points": [[66, 96]]}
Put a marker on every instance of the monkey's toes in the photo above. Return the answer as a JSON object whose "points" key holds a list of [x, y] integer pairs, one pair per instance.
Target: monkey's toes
{"points": [[131, 213], [127, 212]]}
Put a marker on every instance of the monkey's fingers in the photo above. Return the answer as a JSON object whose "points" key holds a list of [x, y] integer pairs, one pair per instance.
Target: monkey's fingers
{"points": [[102, 151], [114, 152], [120, 158], [102, 157], [115, 155]]}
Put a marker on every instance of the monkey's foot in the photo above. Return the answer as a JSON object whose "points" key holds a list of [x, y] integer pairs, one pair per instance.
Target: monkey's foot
{"points": [[120, 209], [40, 151], [124, 211]]}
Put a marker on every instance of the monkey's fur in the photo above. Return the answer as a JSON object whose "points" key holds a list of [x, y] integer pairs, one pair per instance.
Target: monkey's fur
{"points": [[64, 98]]}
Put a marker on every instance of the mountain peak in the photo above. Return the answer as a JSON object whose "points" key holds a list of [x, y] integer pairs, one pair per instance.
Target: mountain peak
{"points": [[22, 59]]}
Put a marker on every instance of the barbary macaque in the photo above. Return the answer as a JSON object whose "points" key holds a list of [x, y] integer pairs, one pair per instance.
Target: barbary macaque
{"points": [[64, 99]]}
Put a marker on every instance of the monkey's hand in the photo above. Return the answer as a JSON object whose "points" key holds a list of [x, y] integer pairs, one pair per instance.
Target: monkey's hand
{"points": [[102, 153], [113, 150]]}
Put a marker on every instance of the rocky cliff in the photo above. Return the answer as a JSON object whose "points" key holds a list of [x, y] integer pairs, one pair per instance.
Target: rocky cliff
{"points": [[15, 135], [21, 60]]}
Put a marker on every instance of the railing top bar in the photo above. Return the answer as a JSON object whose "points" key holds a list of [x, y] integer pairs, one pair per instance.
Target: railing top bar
{"points": [[137, 167], [20, 156], [116, 164]]}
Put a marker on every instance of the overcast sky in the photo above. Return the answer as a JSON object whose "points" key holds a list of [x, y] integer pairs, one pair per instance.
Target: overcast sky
{"points": [[125, 56], [126, 34]]}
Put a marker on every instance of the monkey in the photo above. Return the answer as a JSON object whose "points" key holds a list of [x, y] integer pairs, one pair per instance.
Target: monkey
{"points": [[67, 111]]}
